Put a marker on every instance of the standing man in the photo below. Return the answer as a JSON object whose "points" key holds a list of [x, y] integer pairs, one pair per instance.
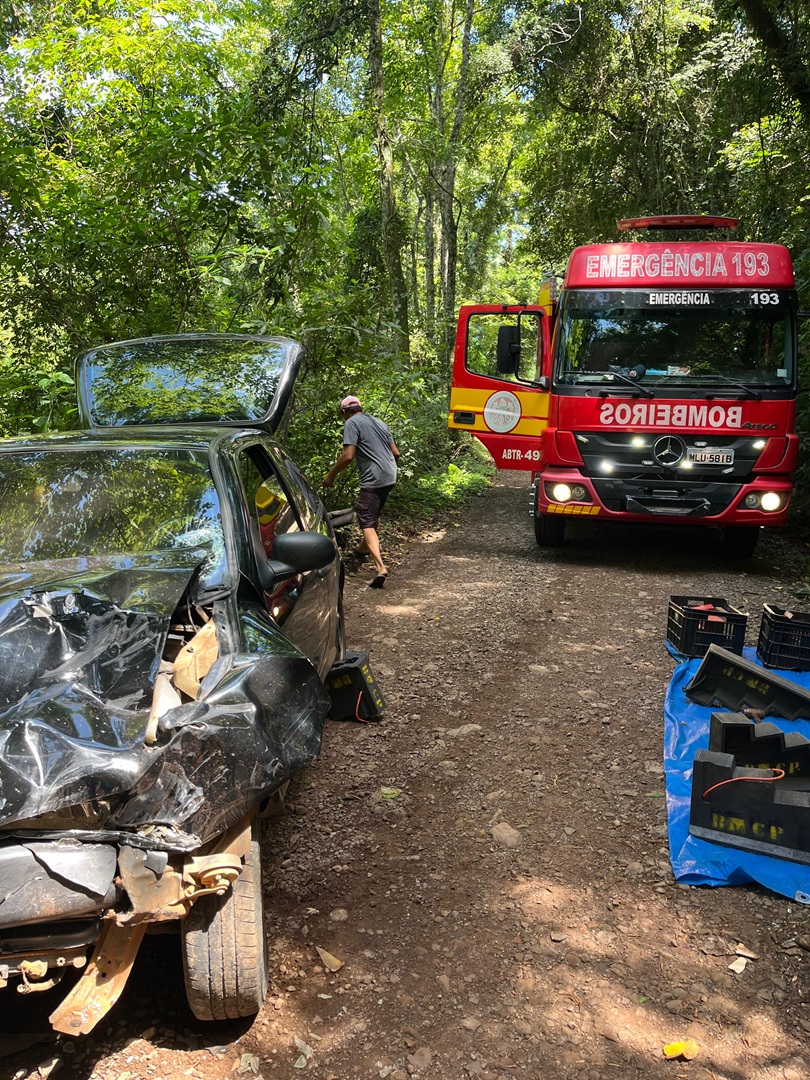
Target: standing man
{"points": [[367, 441]]}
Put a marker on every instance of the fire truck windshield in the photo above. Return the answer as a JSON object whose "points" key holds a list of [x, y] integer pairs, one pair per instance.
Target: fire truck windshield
{"points": [[678, 337]]}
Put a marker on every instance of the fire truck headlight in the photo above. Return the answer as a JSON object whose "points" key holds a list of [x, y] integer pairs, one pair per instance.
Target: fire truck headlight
{"points": [[759, 444], [771, 501], [561, 493], [752, 501], [606, 466], [579, 493]]}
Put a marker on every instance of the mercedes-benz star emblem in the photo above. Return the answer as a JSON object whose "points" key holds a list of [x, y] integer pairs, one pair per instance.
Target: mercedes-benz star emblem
{"points": [[668, 450]]}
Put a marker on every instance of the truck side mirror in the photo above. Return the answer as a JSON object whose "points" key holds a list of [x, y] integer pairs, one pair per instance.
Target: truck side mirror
{"points": [[508, 350]]}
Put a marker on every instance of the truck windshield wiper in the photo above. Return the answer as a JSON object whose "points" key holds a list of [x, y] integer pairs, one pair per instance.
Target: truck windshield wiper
{"points": [[644, 390], [723, 381]]}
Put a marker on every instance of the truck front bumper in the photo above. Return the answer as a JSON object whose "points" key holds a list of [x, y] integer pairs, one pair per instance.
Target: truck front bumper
{"points": [[675, 502]]}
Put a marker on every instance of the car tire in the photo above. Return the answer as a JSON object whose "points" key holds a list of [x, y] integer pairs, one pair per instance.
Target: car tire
{"points": [[740, 542], [549, 531], [225, 957]]}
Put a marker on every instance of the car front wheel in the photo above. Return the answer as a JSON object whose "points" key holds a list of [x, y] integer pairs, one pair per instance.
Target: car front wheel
{"points": [[224, 946]]}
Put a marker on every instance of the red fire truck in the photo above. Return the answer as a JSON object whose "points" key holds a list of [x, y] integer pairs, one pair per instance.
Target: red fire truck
{"points": [[659, 385]]}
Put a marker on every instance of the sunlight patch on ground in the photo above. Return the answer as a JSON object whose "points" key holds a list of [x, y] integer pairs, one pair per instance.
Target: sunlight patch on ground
{"points": [[598, 988], [435, 593], [433, 537]]}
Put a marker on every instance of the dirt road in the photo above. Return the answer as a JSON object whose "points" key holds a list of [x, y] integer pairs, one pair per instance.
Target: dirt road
{"points": [[490, 863]]}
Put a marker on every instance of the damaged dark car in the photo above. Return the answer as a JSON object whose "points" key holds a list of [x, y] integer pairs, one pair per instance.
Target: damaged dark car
{"points": [[170, 605]]}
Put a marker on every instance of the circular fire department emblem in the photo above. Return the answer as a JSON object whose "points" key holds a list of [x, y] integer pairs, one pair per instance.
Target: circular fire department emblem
{"points": [[502, 412]]}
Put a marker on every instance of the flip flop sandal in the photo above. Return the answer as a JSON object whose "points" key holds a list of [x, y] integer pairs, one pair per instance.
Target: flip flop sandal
{"points": [[378, 582]]}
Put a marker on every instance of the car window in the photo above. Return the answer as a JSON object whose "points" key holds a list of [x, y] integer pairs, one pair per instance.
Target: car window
{"points": [[267, 501], [308, 503]]}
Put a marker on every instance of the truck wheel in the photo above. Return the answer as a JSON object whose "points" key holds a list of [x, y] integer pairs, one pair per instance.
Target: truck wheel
{"points": [[739, 543], [224, 946], [549, 531]]}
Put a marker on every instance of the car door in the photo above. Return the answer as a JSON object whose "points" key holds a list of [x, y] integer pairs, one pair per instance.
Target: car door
{"points": [[304, 605]]}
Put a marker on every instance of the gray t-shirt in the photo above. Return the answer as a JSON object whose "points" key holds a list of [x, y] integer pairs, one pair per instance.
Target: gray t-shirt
{"points": [[376, 463]]}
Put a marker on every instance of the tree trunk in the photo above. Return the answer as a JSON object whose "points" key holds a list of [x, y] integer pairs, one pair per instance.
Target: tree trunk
{"points": [[388, 205], [785, 54], [446, 194], [430, 266]]}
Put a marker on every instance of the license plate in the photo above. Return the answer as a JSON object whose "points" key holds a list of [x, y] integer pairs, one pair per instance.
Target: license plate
{"points": [[709, 457]]}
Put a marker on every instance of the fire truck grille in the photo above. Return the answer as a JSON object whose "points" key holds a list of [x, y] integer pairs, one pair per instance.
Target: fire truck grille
{"points": [[668, 457], [667, 474]]}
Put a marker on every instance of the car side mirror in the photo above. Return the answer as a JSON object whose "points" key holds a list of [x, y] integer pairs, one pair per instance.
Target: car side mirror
{"points": [[296, 553], [507, 353]]}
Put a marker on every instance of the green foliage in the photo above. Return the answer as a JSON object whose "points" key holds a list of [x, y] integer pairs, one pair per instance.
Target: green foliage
{"points": [[433, 494], [414, 405], [192, 165]]}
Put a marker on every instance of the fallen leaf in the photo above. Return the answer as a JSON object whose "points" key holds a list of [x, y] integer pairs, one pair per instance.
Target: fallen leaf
{"points": [[685, 1048], [741, 950], [330, 962], [738, 966], [390, 792]]}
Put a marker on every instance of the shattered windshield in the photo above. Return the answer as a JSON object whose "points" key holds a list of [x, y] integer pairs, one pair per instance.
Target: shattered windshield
{"points": [[678, 337], [75, 504]]}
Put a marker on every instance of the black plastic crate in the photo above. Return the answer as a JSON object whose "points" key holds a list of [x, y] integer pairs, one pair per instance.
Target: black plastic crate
{"points": [[696, 622], [784, 639]]}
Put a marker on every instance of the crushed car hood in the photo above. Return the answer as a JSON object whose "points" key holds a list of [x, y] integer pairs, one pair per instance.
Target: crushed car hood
{"points": [[80, 647], [101, 625]]}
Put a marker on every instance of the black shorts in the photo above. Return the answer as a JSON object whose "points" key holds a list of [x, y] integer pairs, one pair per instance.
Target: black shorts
{"points": [[369, 505]]}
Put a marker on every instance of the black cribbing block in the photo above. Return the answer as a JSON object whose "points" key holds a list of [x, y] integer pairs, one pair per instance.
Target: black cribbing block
{"points": [[353, 690], [771, 817], [760, 746], [726, 679]]}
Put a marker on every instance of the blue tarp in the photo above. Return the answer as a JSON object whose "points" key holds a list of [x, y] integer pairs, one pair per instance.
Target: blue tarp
{"points": [[701, 862]]}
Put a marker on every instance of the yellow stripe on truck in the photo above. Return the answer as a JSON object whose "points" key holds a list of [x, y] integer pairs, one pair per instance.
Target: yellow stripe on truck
{"points": [[533, 407], [576, 508]]}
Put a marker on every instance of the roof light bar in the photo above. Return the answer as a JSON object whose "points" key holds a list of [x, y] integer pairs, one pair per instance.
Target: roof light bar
{"points": [[679, 221]]}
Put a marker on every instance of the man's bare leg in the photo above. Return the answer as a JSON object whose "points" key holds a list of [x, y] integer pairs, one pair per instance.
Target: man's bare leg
{"points": [[372, 542]]}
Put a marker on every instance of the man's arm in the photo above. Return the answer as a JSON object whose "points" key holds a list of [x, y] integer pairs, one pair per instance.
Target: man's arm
{"points": [[343, 462], [394, 450]]}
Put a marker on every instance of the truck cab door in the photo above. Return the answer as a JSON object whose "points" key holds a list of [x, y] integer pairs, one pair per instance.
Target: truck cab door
{"points": [[500, 381]]}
